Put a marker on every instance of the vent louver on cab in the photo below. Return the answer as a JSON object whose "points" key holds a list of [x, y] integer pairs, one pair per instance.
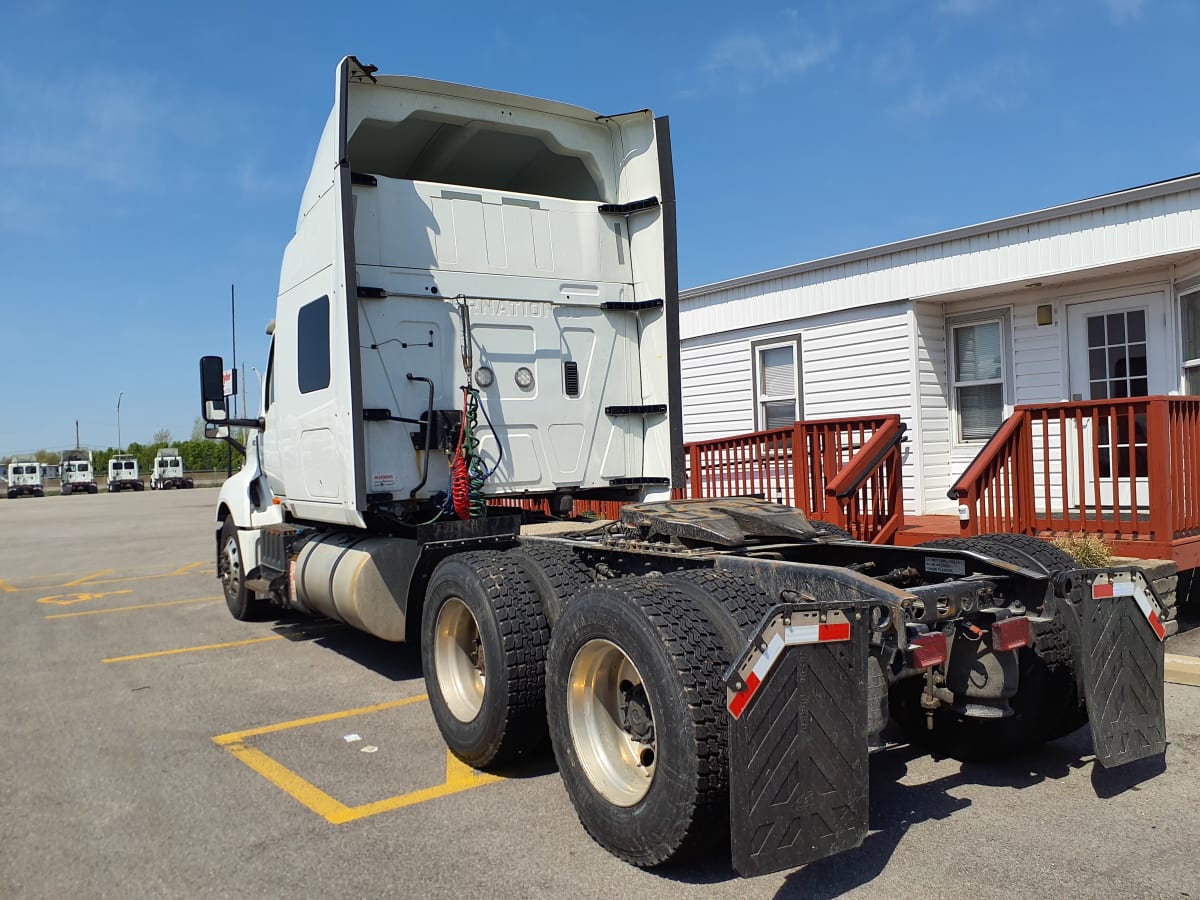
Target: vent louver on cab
{"points": [[571, 377]]}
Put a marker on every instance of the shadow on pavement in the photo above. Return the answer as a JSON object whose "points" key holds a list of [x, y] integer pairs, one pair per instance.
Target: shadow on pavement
{"points": [[395, 662]]}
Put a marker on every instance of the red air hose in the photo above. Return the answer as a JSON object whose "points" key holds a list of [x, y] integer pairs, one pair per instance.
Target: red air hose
{"points": [[460, 476]]}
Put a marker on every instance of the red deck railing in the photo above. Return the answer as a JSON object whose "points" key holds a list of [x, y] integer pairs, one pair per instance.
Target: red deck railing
{"points": [[800, 466], [1128, 469]]}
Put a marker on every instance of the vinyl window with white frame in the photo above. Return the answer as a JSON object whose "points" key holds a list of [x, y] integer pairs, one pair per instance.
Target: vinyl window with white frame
{"points": [[778, 402], [1189, 320], [979, 374]]}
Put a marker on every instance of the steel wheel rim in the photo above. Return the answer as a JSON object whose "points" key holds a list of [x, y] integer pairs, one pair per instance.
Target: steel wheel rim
{"points": [[231, 571], [619, 765], [458, 660]]}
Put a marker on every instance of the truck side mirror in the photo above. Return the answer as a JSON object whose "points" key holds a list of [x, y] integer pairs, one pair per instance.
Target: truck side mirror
{"points": [[215, 432], [212, 389]]}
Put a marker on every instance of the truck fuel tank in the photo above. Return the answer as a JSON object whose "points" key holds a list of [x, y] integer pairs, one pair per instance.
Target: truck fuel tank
{"points": [[357, 579]]}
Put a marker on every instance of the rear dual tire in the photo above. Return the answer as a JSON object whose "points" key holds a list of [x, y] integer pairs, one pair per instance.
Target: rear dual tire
{"points": [[635, 708], [483, 651]]}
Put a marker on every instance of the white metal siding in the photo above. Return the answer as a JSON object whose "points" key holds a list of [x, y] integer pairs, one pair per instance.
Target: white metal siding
{"points": [[851, 366], [1120, 232], [718, 391], [933, 418]]}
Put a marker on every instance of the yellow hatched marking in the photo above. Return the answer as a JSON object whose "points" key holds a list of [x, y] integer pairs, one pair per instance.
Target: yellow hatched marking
{"points": [[459, 776], [86, 578], [115, 609], [95, 579], [83, 597], [151, 655]]}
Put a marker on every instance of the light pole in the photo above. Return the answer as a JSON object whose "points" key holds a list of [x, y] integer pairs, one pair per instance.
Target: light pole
{"points": [[119, 396]]}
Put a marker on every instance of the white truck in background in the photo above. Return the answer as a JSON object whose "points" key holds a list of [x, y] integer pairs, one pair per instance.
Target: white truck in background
{"points": [[480, 304], [76, 473], [168, 471], [26, 478], [123, 473]]}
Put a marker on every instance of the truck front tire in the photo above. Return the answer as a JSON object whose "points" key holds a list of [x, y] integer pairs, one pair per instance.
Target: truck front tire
{"points": [[483, 651], [243, 604], [634, 699]]}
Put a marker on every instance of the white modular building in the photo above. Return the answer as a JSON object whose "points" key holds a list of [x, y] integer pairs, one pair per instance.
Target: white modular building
{"points": [[1089, 300]]}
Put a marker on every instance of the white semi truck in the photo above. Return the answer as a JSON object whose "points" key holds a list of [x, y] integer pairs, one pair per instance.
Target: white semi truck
{"points": [[168, 471], [26, 478], [76, 473], [124, 474], [480, 303]]}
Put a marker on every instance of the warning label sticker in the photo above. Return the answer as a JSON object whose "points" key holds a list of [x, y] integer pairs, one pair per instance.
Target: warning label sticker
{"points": [[945, 566], [383, 482]]}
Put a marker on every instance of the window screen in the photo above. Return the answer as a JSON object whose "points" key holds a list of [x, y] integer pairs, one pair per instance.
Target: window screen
{"points": [[979, 379], [312, 346], [777, 388]]}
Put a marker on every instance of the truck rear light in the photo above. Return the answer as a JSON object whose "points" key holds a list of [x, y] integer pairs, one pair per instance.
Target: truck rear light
{"points": [[927, 650], [1012, 634]]}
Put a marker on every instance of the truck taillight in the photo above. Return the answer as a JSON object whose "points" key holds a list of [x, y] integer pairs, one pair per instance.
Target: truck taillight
{"points": [[1012, 633], [927, 650]]}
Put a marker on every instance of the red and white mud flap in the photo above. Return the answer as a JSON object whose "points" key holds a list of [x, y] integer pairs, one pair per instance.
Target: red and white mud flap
{"points": [[1119, 661], [797, 698]]}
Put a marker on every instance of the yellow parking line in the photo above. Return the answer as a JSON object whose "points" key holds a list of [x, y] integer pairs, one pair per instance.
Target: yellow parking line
{"points": [[98, 612], [183, 570], [114, 659], [79, 581], [7, 588], [459, 776], [234, 737]]}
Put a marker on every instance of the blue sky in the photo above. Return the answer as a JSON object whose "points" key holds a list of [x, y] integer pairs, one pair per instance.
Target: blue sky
{"points": [[153, 153]]}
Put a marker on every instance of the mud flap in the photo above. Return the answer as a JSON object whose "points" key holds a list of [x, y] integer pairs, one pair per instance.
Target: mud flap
{"points": [[798, 737], [1120, 658]]}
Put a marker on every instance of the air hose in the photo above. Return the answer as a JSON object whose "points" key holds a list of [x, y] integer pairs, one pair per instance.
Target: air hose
{"points": [[468, 473]]}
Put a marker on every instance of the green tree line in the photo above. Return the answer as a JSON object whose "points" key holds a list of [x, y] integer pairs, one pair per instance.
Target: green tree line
{"points": [[199, 454]]}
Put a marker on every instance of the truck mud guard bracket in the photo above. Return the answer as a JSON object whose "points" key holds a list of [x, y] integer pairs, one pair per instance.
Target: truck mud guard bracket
{"points": [[1120, 659], [797, 698]]}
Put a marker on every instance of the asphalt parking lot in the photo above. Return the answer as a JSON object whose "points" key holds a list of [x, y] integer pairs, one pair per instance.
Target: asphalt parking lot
{"points": [[153, 746]]}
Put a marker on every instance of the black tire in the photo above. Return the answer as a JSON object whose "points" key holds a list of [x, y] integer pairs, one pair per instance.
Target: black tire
{"points": [[679, 657], [12, 495], [1018, 549], [734, 605], [242, 602], [509, 627], [557, 574], [93, 489], [39, 493], [828, 529], [138, 486], [66, 490]]}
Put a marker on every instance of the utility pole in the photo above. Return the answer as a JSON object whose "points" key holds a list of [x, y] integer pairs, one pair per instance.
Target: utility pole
{"points": [[76, 434], [119, 396], [233, 328]]}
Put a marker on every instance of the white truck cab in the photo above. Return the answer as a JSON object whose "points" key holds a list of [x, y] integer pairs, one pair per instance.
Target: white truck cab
{"points": [[123, 474], [168, 471], [76, 473], [25, 479]]}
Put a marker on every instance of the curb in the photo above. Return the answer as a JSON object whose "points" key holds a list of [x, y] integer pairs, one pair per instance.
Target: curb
{"points": [[1182, 669]]}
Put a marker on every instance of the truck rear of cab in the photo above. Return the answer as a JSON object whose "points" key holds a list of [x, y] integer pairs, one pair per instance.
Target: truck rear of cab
{"points": [[168, 471], [25, 479], [76, 473], [123, 474]]}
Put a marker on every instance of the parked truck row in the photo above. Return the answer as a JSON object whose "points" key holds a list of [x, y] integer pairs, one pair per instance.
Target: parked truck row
{"points": [[26, 476], [479, 303]]}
